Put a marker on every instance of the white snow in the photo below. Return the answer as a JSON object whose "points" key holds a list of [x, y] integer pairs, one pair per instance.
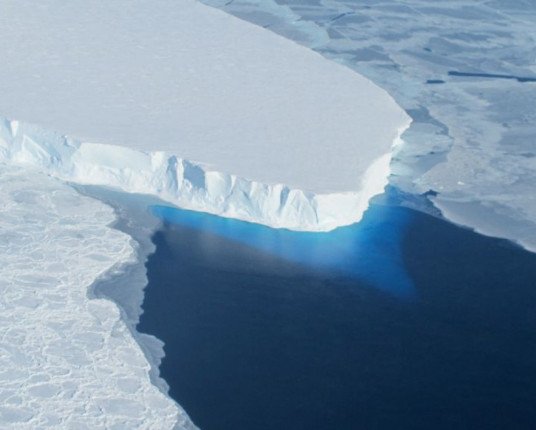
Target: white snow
{"points": [[233, 99], [67, 361]]}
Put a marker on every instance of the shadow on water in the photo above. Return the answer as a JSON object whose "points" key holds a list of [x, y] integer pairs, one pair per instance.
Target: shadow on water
{"points": [[402, 322]]}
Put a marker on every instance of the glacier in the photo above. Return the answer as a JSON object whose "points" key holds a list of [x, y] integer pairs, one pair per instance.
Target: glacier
{"points": [[187, 184], [202, 109], [211, 113]]}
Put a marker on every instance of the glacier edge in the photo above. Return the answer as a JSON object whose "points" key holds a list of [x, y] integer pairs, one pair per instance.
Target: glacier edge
{"points": [[187, 184]]}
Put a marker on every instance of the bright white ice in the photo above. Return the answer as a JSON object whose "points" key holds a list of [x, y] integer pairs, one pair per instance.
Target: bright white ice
{"points": [[67, 361], [200, 84]]}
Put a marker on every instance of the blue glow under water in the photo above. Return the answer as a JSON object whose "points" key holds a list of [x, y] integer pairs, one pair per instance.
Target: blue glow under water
{"points": [[369, 250], [403, 322]]}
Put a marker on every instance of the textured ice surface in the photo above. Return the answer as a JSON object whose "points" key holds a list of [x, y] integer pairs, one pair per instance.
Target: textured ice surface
{"points": [[67, 361], [187, 184], [472, 139], [204, 86]]}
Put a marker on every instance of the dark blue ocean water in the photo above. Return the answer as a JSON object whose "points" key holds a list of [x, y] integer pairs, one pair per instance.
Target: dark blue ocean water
{"points": [[403, 321]]}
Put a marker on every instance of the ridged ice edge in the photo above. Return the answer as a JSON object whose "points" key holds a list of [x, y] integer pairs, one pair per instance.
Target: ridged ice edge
{"points": [[187, 184]]}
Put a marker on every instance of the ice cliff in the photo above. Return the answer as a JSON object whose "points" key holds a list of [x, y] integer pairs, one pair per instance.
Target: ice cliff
{"points": [[205, 110], [186, 184]]}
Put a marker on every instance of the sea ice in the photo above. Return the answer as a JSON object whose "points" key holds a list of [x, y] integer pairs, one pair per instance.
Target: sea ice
{"points": [[67, 361]]}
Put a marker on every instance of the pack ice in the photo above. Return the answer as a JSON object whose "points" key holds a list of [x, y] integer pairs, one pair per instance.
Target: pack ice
{"points": [[193, 105], [67, 362]]}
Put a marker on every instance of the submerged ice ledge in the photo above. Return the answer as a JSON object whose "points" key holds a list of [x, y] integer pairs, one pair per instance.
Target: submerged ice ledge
{"points": [[187, 184]]}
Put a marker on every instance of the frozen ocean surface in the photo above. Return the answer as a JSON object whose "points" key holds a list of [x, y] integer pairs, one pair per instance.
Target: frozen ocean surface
{"points": [[472, 139], [67, 360]]}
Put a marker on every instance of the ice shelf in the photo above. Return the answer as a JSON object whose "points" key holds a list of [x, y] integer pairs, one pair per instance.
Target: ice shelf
{"points": [[242, 122]]}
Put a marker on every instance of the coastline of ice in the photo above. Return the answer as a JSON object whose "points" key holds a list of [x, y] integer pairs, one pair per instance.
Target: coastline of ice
{"points": [[68, 360], [282, 137], [476, 181], [272, 132], [472, 137], [186, 184]]}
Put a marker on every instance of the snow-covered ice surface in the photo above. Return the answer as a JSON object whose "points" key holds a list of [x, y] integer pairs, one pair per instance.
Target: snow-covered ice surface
{"points": [[473, 137], [272, 132], [67, 360]]}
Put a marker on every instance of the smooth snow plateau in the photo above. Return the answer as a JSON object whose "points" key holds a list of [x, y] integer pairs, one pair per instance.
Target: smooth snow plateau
{"points": [[203, 109]]}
